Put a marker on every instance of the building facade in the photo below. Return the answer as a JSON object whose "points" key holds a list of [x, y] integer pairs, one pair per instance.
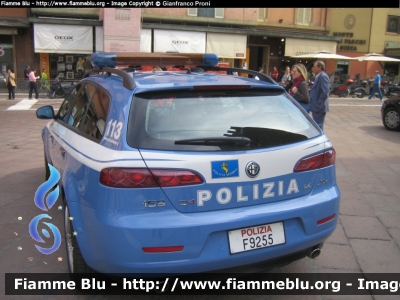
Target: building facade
{"points": [[64, 39], [366, 30], [243, 37], [61, 40]]}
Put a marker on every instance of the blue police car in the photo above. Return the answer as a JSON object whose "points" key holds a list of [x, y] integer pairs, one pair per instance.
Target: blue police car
{"points": [[189, 170]]}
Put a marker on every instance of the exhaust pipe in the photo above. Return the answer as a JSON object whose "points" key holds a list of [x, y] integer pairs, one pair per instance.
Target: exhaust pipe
{"points": [[314, 252]]}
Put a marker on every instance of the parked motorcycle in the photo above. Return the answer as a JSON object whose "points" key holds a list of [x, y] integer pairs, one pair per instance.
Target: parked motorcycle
{"points": [[340, 91], [58, 90], [393, 90]]}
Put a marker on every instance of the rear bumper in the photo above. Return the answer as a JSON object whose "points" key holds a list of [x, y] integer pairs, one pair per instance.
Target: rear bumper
{"points": [[111, 241]]}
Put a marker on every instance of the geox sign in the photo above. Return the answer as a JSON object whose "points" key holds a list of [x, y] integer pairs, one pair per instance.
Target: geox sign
{"points": [[68, 38], [180, 42], [63, 39]]}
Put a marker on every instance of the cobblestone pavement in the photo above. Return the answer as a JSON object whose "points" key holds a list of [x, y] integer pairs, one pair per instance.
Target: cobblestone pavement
{"points": [[367, 239]]}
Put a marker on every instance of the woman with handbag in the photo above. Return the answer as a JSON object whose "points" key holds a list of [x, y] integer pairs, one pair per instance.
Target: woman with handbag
{"points": [[299, 89], [10, 82]]}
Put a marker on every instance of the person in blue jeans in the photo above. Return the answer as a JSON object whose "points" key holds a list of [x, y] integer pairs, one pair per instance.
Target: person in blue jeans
{"points": [[377, 87]]}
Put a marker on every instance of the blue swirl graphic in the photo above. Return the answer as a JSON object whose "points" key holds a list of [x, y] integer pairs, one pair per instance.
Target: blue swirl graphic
{"points": [[45, 187], [35, 235]]}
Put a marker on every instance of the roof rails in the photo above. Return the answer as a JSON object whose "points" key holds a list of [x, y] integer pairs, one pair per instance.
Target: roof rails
{"points": [[112, 59], [230, 71], [127, 80], [105, 62]]}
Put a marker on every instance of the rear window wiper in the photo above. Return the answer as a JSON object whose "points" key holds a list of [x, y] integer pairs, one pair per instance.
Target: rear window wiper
{"points": [[214, 141]]}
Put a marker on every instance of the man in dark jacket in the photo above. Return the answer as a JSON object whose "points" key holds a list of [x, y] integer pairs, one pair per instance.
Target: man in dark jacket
{"points": [[26, 72]]}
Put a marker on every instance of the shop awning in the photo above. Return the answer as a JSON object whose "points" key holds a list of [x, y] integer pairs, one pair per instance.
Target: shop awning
{"points": [[14, 22], [295, 47], [179, 41], [63, 39], [227, 45]]}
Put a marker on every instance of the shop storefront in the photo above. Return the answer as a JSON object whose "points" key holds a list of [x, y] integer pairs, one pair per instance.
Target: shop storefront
{"points": [[228, 47], [294, 46], [6, 54], [179, 41], [306, 46], [231, 48], [14, 34], [65, 50]]}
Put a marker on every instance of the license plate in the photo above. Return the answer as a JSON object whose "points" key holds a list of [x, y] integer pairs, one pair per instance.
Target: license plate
{"points": [[256, 237]]}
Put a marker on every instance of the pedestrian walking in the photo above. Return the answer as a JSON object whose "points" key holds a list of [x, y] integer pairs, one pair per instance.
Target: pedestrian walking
{"points": [[286, 80], [32, 84], [319, 94], [26, 72], [299, 89], [10, 82], [377, 87]]}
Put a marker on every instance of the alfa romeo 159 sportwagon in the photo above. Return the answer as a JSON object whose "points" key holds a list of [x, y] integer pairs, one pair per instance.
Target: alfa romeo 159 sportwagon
{"points": [[186, 170]]}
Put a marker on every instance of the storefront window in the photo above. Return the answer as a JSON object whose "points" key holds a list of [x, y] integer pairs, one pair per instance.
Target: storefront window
{"points": [[69, 66], [6, 58]]}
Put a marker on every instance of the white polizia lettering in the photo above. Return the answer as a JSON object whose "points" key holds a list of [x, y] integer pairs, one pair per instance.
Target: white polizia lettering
{"points": [[270, 189], [203, 196]]}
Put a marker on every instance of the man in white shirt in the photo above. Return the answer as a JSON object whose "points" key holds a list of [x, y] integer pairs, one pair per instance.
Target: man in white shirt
{"points": [[32, 84]]}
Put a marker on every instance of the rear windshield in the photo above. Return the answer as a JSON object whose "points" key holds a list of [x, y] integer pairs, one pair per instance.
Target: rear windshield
{"points": [[216, 120]]}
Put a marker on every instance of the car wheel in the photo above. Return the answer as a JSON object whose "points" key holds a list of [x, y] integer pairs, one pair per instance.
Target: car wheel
{"points": [[76, 263], [52, 94], [391, 119]]}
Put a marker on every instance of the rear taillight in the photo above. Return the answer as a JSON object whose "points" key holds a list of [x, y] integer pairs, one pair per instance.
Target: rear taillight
{"points": [[144, 178], [316, 162]]}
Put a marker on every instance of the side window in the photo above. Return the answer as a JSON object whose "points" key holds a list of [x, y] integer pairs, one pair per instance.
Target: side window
{"points": [[81, 104], [95, 119], [66, 105]]}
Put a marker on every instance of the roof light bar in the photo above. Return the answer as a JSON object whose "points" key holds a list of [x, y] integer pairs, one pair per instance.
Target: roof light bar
{"points": [[112, 59]]}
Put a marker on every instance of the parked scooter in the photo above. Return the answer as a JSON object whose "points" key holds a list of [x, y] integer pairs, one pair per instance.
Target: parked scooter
{"points": [[57, 90], [341, 91], [358, 91]]}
